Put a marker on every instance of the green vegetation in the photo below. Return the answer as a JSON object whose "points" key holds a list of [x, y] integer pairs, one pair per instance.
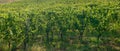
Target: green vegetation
{"points": [[60, 25]]}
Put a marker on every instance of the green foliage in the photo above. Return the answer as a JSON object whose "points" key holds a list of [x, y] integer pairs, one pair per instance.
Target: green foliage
{"points": [[65, 25]]}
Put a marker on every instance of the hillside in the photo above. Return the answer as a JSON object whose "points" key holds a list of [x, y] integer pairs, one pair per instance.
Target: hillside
{"points": [[60, 25]]}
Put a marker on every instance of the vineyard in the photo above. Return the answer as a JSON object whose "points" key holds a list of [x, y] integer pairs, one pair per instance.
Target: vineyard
{"points": [[60, 25]]}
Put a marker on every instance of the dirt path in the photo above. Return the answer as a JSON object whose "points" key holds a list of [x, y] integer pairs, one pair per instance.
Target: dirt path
{"points": [[7, 1]]}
